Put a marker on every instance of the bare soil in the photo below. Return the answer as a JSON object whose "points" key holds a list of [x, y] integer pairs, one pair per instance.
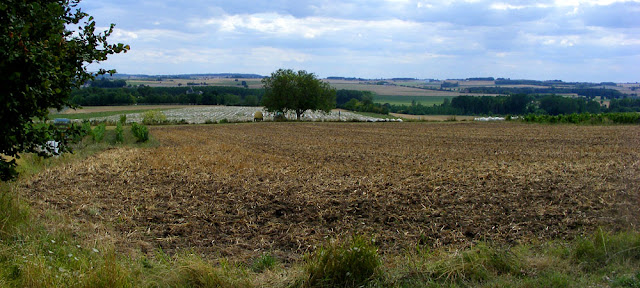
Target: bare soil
{"points": [[239, 190]]}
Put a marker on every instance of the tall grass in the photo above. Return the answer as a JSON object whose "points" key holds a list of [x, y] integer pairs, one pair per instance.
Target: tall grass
{"points": [[349, 263]]}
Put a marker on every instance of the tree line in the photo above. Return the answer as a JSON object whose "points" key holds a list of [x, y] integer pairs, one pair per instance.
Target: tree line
{"points": [[203, 95], [516, 104], [586, 92]]}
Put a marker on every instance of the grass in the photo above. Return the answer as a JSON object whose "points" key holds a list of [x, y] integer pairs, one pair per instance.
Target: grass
{"points": [[86, 116], [46, 249]]}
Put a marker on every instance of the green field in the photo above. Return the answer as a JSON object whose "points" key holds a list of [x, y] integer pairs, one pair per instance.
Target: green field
{"points": [[406, 100]]}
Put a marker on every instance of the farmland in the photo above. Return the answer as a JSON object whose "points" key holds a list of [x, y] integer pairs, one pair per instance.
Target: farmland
{"points": [[204, 114], [240, 190]]}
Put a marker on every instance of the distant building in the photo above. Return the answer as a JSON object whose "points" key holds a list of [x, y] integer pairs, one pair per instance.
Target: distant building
{"points": [[190, 91]]}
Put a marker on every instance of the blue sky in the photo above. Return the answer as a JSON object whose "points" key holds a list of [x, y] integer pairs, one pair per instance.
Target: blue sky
{"points": [[573, 40]]}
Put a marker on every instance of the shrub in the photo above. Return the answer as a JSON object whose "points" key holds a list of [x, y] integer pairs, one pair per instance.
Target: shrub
{"points": [[140, 132], [153, 117], [350, 263], [86, 127], [98, 133], [119, 133], [123, 119]]}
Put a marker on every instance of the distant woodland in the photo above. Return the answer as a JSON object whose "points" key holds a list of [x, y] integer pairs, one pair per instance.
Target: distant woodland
{"points": [[526, 101]]}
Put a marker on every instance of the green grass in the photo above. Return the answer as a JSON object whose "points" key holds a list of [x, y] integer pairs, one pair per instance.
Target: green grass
{"points": [[406, 100], [86, 116]]}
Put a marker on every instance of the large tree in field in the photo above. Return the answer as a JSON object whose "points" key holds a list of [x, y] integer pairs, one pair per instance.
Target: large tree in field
{"points": [[286, 90], [41, 59]]}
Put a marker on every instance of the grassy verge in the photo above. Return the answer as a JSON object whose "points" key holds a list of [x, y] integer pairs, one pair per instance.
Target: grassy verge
{"points": [[47, 249], [86, 116]]}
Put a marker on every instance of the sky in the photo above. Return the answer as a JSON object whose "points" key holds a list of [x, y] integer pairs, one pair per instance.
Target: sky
{"points": [[573, 40]]}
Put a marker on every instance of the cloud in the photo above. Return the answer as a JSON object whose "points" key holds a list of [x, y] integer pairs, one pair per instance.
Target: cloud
{"points": [[377, 38]]}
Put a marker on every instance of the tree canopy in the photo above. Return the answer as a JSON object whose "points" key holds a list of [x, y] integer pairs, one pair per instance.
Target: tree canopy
{"points": [[286, 90], [41, 59]]}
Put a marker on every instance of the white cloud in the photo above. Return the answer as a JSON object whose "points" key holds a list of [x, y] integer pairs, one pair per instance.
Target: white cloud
{"points": [[377, 38]]}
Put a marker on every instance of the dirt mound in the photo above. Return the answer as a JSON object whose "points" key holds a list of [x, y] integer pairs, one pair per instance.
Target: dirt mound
{"points": [[239, 190]]}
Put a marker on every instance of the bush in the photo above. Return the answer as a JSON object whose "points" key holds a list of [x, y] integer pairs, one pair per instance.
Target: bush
{"points": [[140, 132], [86, 127], [98, 133], [123, 119], [153, 117], [119, 133], [350, 263]]}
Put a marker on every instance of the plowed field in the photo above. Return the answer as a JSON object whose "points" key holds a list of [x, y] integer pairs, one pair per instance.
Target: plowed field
{"points": [[239, 190]]}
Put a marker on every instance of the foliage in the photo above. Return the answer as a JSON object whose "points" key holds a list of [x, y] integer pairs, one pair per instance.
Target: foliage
{"points": [[360, 101], [40, 61], [123, 119], [351, 263], [106, 83], [119, 133], [151, 117], [286, 90], [586, 92], [585, 118], [86, 127], [517, 104], [140, 132], [98, 133], [211, 95]]}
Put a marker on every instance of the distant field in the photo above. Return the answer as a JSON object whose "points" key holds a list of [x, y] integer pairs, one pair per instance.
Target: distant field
{"points": [[390, 90], [406, 100]]}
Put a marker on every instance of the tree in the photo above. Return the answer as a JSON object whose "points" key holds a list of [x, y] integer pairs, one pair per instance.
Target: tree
{"points": [[300, 91], [41, 60]]}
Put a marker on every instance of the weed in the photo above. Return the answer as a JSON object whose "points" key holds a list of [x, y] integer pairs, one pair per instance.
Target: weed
{"points": [[604, 248], [12, 213], [193, 271], [98, 133], [632, 281], [476, 264], [119, 132], [140, 132], [265, 262], [349, 263], [123, 119]]}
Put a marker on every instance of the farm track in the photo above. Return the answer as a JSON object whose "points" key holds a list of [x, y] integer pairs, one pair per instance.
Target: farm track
{"points": [[240, 190]]}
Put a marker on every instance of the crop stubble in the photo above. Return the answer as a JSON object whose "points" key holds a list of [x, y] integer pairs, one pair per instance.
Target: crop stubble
{"points": [[239, 190]]}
